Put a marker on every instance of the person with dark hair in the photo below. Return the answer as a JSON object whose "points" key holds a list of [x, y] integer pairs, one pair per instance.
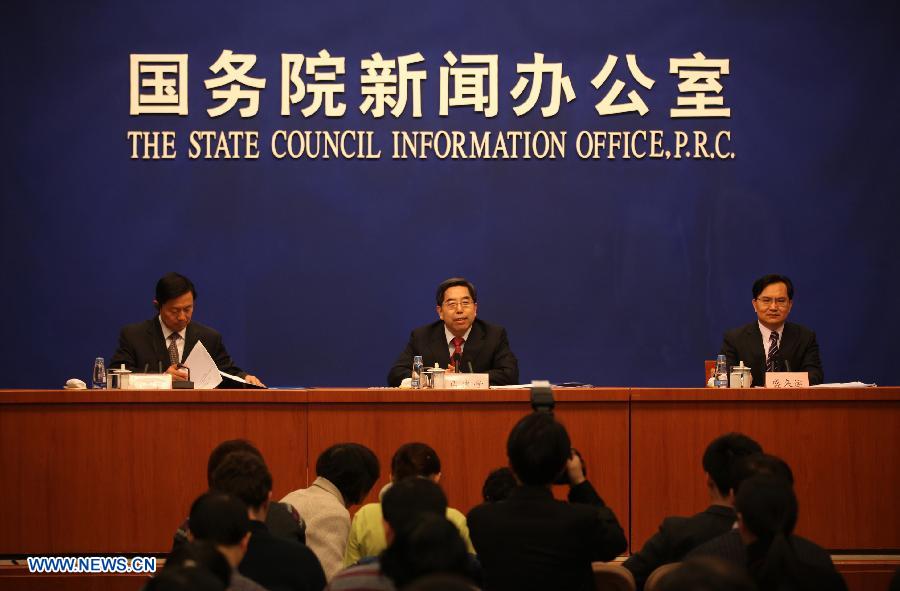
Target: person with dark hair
{"points": [[166, 340], [272, 562], [498, 485], [184, 578], [367, 535], [533, 541], [421, 541], [345, 473], [221, 519], [706, 574], [777, 559], [679, 535], [458, 340], [771, 343], [202, 555], [282, 519]]}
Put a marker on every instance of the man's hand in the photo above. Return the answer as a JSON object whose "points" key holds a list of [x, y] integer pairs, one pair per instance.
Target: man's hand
{"points": [[177, 374], [575, 469], [254, 380]]}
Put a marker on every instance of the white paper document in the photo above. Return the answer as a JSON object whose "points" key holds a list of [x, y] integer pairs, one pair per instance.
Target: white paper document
{"points": [[204, 372]]}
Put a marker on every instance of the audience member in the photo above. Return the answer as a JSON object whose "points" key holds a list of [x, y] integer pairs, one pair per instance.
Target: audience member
{"points": [[221, 519], [345, 473], [282, 519], [183, 578], [202, 555], [498, 484], [706, 574], [421, 541], [776, 559], [679, 535], [367, 537], [272, 562], [531, 540]]}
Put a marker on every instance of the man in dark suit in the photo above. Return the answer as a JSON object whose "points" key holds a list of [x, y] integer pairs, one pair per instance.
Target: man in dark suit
{"points": [[771, 343], [167, 340], [679, 535], [532, 541], [274, 563], [459, 341]]}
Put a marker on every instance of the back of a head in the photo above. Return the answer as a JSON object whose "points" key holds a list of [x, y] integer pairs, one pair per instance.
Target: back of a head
{"points": [[219, 518], [431, 544], [245, 476], [409, 498], [203, 556], [538, 448], [182, 578], [706, 574], [720, 457], [352, 468], [441, 582], [767, 506], [414, 459], [223, 449], [761, 464], [498, 485]]}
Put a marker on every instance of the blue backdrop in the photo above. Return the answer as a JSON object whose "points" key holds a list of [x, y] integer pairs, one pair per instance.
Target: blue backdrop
{"points": [[614, 272]]}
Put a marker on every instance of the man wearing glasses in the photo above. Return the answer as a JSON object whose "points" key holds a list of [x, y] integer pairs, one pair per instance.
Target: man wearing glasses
{"points": [[770, 343], [459, 341]]}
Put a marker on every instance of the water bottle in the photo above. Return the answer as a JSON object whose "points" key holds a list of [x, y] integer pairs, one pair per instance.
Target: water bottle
{"points": [[99, 376], [416, 381], [721, 376]]}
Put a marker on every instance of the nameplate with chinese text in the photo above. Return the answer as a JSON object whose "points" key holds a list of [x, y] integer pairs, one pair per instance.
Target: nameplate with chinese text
{"points": [[787, 379]]}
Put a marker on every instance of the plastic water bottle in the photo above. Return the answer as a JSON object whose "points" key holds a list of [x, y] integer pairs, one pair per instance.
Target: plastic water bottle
{"points": [[721, 375], [98, 377], [418, 366]]}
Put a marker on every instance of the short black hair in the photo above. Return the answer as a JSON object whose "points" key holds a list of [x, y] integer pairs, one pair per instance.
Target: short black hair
{"points": [[706, 573], [201, 555], [759, 463], [538, 448], [408, 498], [498, 484], [766, 280], [768, 506], [245, 476], [720, 455], [453, 282], [223, 449], [171, 286], [431, 545], [219, 518], [184, 578], [353, 468], [415, 459]]}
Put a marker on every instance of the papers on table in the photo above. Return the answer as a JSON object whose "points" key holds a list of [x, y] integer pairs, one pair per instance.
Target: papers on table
{"points": [[204, 372], [845, 385]]}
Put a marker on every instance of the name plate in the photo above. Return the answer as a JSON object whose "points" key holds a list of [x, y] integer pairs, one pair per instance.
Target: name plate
{"points": [[787, 379], [466, 381], [146, 381]]}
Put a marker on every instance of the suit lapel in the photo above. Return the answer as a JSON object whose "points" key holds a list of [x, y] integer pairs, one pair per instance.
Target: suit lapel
{"points": [[473, 346], [758, 362], [439, 349], [788, 343], [159, 343], [190, 339]]}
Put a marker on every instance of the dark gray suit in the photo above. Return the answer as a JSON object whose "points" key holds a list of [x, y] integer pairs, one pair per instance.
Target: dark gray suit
{"points": [[142, 345], [487, 349], [797, 346]]}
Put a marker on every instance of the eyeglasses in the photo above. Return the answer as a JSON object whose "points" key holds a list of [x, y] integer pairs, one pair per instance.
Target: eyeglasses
{"points": [[779, 302], [465, 304]]}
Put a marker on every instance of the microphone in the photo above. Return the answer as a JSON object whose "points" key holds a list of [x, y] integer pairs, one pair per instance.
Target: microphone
{"points": [[786, 363], [147, 367], [456, 361], [470, 367]]}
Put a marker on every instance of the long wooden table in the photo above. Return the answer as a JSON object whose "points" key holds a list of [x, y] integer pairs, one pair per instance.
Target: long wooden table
{"points": [[101, 472]]}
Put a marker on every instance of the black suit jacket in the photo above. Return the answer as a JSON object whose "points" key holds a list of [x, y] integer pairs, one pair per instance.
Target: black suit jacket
{"points": [[533, 541], [142, 345], [279, 564], [676, 537], [798, 347], [487, 348]]}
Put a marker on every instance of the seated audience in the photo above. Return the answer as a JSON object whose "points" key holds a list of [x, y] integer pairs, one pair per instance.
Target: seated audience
{"points": [[282, 519], [221, 519], [776, 559], [533, 541], [204, 556], [274, 563], [679, 535], [184, 578], [345, 473], [498, 484], [706, 574], [421, 541], [367, 536]]}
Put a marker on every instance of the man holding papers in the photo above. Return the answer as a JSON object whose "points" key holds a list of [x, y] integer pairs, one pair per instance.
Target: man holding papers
{"points": [[166, 340]]}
